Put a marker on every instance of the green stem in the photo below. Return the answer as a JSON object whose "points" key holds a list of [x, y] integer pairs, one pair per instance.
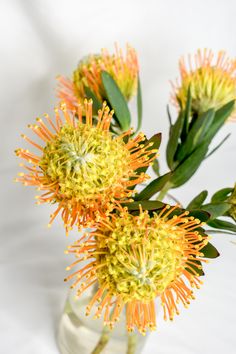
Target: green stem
{"points": [[105, 336], [132, 343], [163, 192]]}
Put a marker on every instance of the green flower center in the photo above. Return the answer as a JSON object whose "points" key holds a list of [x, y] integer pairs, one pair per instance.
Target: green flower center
{"points": [[85, 162], [141, 260], [211, 87]]}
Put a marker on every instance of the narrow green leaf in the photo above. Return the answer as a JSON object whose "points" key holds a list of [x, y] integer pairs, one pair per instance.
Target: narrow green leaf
{"points": [[155, 141], [152, 188], [187, 168], [223, 225], [221, 116], [96, 102], [139, 106], [187, 115], [179, 102], [156, 167], [145, 204], [210, 251], [221, 195], [197, 201], [216, 209], [202, 215], [169, 115], [218, 146], [175, 132], [116, 100], [195, 268], [196, 134]]}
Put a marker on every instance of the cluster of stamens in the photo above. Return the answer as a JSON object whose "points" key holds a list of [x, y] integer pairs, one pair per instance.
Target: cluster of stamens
{"points": [[83, 167], [123, 69], [212, 82], [135, 259]]}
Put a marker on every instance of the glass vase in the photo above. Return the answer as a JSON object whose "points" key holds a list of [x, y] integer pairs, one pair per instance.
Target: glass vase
{"points": [[81, 334]]}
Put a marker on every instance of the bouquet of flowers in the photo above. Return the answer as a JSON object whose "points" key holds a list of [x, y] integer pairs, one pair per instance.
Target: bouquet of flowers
{"points": [[90, 163]]}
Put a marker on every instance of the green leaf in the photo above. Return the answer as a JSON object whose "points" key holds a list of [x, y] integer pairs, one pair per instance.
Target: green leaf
{"points": [[152, 188], [155, 140], [156, 167], [179, 102], [198, 200], [116, 100], [210, 251], [197, 268], [145, 204], [175, 132], [216, 209], [187, 168], [223, 225], [221, 195], [221, 116], [187, 115], [96, 102], [169, 115], [218, 146], [139, 106], [196, 134], [202, 215]]}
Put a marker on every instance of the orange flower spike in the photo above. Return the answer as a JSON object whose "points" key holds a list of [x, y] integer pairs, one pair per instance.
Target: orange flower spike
{"points": [[138, 258], [123, 69], [212, 79], [81, 166]]}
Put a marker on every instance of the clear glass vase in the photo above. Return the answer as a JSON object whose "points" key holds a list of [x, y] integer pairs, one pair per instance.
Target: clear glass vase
{"points": [[80, 334]]}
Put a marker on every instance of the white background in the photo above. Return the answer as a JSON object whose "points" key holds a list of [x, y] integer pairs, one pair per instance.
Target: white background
{"points": [[40, 39]]}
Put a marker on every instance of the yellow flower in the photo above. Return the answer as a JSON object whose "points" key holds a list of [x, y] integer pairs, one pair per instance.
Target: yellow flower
{"points": [[135, 259], [123, 69], [212, 80], [232, 201], [82, 167]]}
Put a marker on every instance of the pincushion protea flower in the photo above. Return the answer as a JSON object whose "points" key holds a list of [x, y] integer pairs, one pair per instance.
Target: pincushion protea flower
{"points": [[123, 69], [212, 81], [135, 259], [82, 167]]}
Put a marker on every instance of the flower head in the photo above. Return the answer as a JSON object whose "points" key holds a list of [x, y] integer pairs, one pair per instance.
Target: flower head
{"points": [[123, 69], [212, 80], [232, 201], [135, 259], [82, 167]]}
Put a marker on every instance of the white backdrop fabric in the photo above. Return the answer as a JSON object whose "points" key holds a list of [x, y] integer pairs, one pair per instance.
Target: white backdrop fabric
{"points": [[40, 39]]}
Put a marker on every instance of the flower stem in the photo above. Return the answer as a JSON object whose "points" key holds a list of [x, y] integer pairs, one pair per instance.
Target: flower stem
{"points": [[132, 343], [105, 336], [163, 192]]}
